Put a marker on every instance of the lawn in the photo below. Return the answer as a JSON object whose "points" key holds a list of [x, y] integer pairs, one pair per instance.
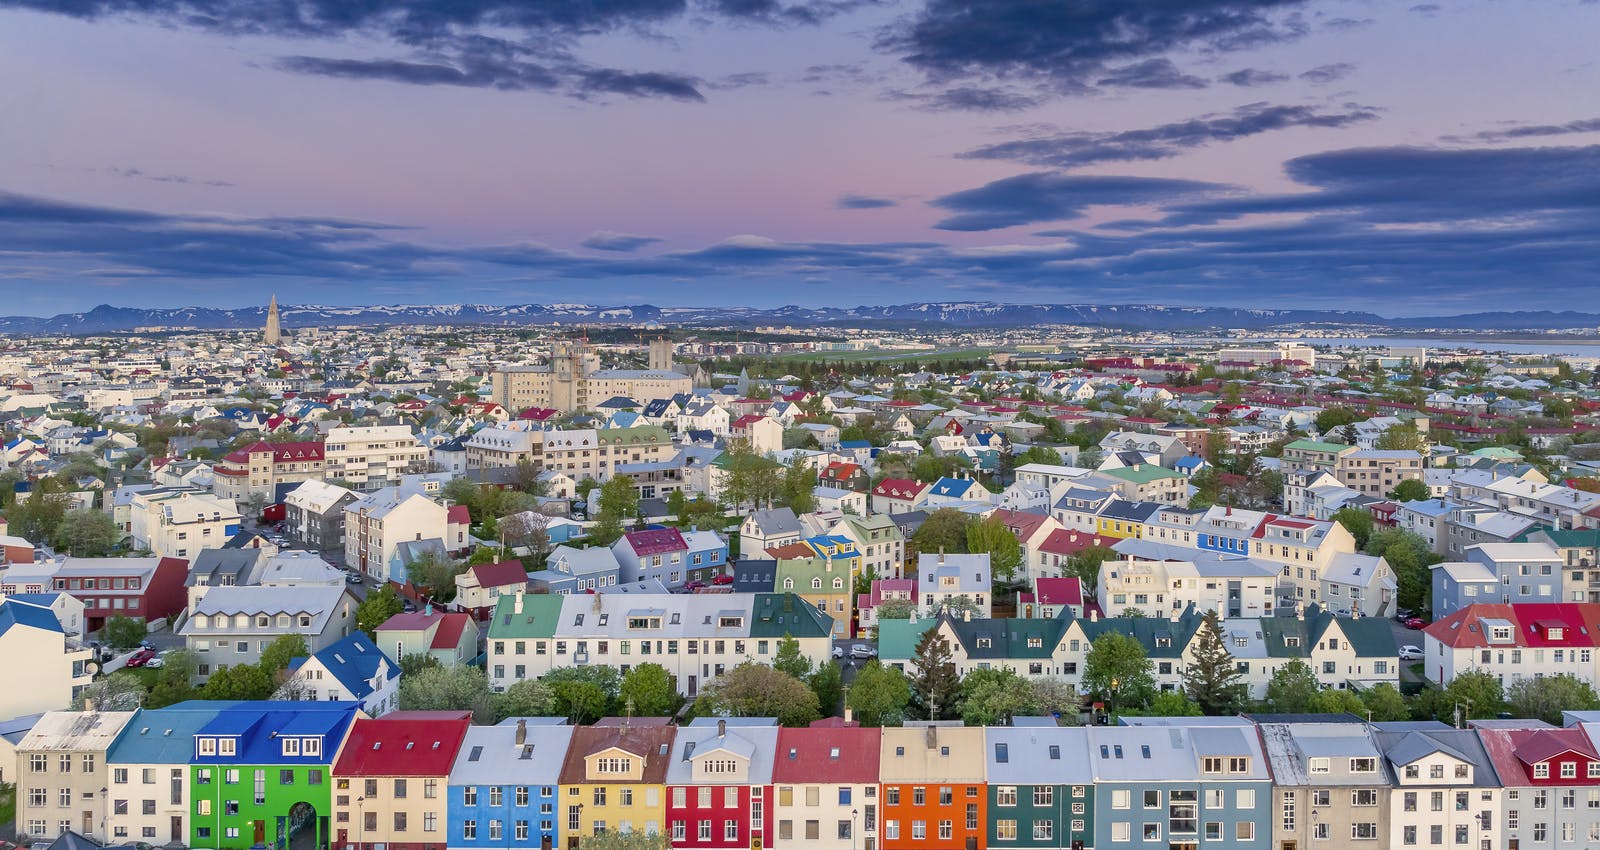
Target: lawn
{"points": [[869, 356]]}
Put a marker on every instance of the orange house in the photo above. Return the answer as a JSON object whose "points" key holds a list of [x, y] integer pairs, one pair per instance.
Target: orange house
{"points": [[933, 794]]}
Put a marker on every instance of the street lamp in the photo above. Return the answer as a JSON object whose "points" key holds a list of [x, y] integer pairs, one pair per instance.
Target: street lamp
{"points": [[853, 814], [1111, 703], [360, 821]]}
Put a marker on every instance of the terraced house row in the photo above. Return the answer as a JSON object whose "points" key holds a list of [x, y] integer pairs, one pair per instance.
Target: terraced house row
{"points": [[236, 775]]}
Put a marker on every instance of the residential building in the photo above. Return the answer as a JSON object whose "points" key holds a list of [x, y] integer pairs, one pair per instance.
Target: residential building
{"points": [[614, 778], [1146, 483], [589, 453], [505, 786], [822, 571], [569, 570], [944, 579], [47, 669], [1514, 642], [1376, 472], [505, 446], [825, 788], [148, 798], [179, 522], [480, 587], [670, 556], [1233, 587], [898, 495], [1313, 455], [768, 529], [1032, 529], [233, 625], [62, 774], [934, 791], [252, 475], [221, 568], [1547, 778], [376, 524], [1180, 785], [572, 380], [450, 637], [719, 784], [1444, 790], [391, 780], [351, 669], [259, 773], [371, 457], [1041, 788], [141, 588], [1329, 784], [314, 515], [1527, 572]]}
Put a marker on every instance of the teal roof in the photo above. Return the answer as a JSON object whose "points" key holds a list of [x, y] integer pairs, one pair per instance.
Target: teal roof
{"points": [[1008, 638], [779, 614], [164, 735], [897, 639], [540, 614], [1149, 631]]}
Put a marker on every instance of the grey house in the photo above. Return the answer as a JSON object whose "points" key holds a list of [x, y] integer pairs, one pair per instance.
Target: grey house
{"points": [[232, 625], [314, 515], [569, 570]]}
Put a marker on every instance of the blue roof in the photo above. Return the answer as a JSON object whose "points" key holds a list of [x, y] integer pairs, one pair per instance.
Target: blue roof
{"points": [[27, 615], [43, 600], [164, 735], [854, 444], [255, 725], [353, 661], [950, 486], [1190, 461]]}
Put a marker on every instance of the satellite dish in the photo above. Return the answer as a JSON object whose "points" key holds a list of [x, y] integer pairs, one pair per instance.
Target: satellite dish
{"points": [[91, 668]]}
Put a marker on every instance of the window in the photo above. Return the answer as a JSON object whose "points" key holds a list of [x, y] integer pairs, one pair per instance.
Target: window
{"points": [[469, 829], [469, 796], [1005, 795], [1119, 831], [891, 830], [1005, 830], [1152, 799], [1044, 795], [1120, 799], [919, 830], [1152, 832]]}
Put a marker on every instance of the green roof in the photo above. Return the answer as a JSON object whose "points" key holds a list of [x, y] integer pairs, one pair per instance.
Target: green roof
{"points": [[803, 570], [1008, 638], [1317, 446], [636, 434], [897, 639], [1143, 474], [1368, 636], [1498, 452], [540, 613], [779, 614], [1564, 538], [1147, 630]]}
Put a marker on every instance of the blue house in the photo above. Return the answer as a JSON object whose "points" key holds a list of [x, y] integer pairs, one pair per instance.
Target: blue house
{"points": [[1181, 782], [505, 784]]}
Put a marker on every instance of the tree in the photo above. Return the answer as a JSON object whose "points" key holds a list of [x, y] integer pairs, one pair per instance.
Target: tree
{"points": [[618, 497], [528, 530], [415, 662], [435, 573], [1546, 697], [1039, 454], [1356, 521], [935, 684], [607, 529], [172, 684], [524, 698], [1410, 490], [827, 682], [945, 530], [896, 609], [648, 691], [1409, 556], [991, 536], [799, 486], [756, 690], [879, 696], [378, 607], [457, 688], [1212, 679], [583, 694], [284, 648], [1118, 670], [120, 691], [239, 682], [616, 839], [1336, 701], [992, 697], [122, 632], [789, 659], [1385, 702], [36, 517], [1085, 564], [678, 504], [86, 533], [1335, 417], [1174, 704], [1293, 688], [1402, 437]]}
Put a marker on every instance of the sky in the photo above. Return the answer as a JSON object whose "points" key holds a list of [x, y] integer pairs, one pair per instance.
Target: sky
{"points": [[1403, 158]]}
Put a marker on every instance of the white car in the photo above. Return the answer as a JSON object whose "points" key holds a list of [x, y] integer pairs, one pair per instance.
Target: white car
{"points": [[838, 651], [1410, 653]]}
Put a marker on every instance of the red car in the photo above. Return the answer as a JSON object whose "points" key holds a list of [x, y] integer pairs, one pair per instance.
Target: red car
{"points": [[694, 585], [1415, 623], [722, 580], [140, 658]]}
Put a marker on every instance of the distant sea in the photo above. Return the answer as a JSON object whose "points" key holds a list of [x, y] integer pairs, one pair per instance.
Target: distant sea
{"points": [[1508, 346]]}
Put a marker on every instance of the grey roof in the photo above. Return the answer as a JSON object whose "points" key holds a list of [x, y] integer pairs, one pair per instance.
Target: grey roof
{"points": [[316, 600], [1038, 755], [1403, 742], [490, 755], [754, 744], [1141, 754], [582, 562], [776, 521]]}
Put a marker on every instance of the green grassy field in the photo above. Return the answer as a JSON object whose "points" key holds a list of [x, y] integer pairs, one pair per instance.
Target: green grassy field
{"points": [[871, 356]]}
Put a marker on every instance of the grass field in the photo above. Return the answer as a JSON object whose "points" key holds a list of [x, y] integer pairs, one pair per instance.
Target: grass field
{"points": [[873, 356]]}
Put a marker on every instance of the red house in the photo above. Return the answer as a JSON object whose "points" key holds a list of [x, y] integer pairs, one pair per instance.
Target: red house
{"points": [[392, 778], [719, 784], [825, 781], [141, 588]]}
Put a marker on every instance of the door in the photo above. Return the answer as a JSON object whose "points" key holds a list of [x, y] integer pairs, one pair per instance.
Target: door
{"points": [[260, 832], [88, 823], [177, 828]]}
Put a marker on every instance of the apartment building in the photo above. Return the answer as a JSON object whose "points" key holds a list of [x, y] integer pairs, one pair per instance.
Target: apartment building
{"points": [[62, 774], [370, 457], [1376, 472]]}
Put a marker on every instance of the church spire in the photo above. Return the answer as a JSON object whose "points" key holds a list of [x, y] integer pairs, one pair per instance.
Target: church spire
{"points": [[274, 333]]}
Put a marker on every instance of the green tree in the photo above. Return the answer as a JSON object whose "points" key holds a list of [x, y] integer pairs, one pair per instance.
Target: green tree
{"points": [[583, 694], [1336, 701], [896, 609], [120, 691], [122, 632], [284, 648], [1116, 669], [992, 697], [1411, 490], [879, 696], [991, 536], [935, 685], [756, 690], [36, 518], [1212, 680], [524, 698], [415, 662], [435, 573], [378, 607], [613, 839], [1409, 556], [86, 533], [827, 682], [172, 683], [1334, 418], [1293, 688], [606, 530], [678, 504], [945, 530], [1385, 702], [1546, 697], [789, 659], [239, 682], [461, 687], [1085, 564], [649, 690], [1401, 437], [799, 486], [1356, 521], [1174, 704], [618, 497]]}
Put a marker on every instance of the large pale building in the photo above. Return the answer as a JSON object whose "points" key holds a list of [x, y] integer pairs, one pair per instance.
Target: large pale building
{"points": [[573, 380], [371, 457]]}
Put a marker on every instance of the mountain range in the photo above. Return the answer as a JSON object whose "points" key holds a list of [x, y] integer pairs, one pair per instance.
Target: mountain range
{"points": [[949, 315]]}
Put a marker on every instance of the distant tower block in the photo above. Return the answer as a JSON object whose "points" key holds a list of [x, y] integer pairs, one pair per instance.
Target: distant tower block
{"points": [[274, 334], [661, 354]]}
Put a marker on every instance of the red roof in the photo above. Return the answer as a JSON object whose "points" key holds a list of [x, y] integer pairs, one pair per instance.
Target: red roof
{"points": [[847, 754], [499, 575], [416, 621], [656, 541], [539, 414], [1514, 751], [403, 743], [1066, 541], [746, 421], [1021, 523], [449, 634], [898, 488], [791, 552], [840, 471], [1067, 590], [1530, 625], [459, 515]]}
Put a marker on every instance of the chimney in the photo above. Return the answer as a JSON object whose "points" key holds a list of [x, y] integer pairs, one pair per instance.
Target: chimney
{"points": [[1174, 614], [932, 736], [966, 615], [516, 602], [941, 554], [722, 728], [1299, 611], [522, 732], [597, 602], [849, 715], [88, 705], [1094, 615]]}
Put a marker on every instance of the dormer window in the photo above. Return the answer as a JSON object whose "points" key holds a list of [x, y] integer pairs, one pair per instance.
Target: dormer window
{"points": [[208, 746], [1319, 765], [225, 746], [1554, 633], [311, 747], [291, 746], [1364, 765], [1541, 770]]}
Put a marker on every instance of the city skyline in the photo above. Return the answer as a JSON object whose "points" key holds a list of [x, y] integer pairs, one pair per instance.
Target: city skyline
{"points": [[1404, 160]]}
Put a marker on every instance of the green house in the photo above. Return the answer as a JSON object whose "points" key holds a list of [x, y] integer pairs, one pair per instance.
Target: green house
{"points": [[260, 774], [1041, 787]]}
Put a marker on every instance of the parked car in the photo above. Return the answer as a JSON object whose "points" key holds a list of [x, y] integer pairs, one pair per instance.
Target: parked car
{"points": [[408, 606], [1415, 623], [147, 644], [694, 585], [1404, 614], [354, 578], [862, 650], [156, 662], [140, 658], [722, 580], [838, 651], [1410, 653]]}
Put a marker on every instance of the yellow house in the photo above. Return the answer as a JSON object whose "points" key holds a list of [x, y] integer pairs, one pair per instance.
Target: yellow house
{"points": [[614, 777], [822, 571], [1122, 520]]}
